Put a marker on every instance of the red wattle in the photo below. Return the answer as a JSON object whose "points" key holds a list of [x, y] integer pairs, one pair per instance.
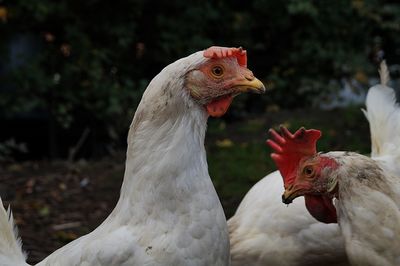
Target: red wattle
{"points": [[218, 107], [321, 208]]}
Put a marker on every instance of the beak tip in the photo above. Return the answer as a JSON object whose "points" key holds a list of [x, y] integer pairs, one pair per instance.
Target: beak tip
{"points": [[258, 89], [286, 200], [263, 89], [250, 86]]}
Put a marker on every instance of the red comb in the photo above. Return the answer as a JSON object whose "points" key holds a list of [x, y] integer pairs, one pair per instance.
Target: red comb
{"points": [[221, 52], [291, 148]]}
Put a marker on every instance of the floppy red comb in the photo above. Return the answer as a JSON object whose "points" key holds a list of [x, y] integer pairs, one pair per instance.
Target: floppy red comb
{"points": [[291, 148], [221, 52]]}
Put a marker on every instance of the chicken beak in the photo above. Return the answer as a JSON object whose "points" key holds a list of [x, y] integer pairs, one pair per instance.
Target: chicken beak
{"points": [[244, 83], [290, 194], [251, 84]]}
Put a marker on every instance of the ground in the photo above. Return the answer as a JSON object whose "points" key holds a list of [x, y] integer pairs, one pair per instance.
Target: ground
{"points": [[56, 202]]}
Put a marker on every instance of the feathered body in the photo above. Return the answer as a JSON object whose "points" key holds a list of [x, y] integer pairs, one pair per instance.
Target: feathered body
{"points": [[168, 212], [168, 204], [368, 209], [367, 189], [263, 231]]}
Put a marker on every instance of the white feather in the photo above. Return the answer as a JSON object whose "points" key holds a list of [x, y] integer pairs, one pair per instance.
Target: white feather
{"points": [[10, 244], [264, 231], [168, 212], [384, 73], [368, 209], [383, 114]]}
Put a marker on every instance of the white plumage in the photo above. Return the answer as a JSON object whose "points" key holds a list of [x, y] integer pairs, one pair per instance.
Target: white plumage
{"points": [[383, 114], [366, 189], [168, 212], [10, 244], [369, 210], [263, 231]]}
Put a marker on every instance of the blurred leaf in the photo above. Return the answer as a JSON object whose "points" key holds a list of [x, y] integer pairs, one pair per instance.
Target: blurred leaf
{"points": [[44, 211], [225, 143], [66, 64]]}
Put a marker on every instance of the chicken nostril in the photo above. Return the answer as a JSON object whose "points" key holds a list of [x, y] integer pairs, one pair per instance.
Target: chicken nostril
{"points": [[249, 77]]}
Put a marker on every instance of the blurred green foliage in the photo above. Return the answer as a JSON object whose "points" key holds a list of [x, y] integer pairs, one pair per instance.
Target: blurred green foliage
{"points": [[89, 61]]}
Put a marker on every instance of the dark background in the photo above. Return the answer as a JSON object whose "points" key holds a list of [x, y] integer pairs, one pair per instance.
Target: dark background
{"points": [[72, 73]]}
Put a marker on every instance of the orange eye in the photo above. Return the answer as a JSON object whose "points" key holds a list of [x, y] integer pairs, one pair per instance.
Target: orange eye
{"points": [[308, 171], [217, 71]]}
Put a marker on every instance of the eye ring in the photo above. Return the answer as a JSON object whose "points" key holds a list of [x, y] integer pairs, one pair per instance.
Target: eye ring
{"points": [[217, 71], [308, 171]]}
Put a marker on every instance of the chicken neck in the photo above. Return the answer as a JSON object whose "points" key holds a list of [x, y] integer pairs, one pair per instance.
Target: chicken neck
{"points": [[368, 211]]}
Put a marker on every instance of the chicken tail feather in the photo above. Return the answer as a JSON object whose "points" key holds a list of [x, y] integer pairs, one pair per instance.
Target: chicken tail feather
{"points": [[383, 114], [384, 73], [11, 253]]}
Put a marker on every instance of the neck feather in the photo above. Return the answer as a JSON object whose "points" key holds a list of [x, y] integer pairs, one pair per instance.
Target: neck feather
{"points": [[358, 177], [368, 211], [166, 160], [161, 151], [357, 171]]}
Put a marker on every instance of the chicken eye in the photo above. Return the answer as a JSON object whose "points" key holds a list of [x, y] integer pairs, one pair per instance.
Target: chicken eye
{"points": [[217, 71], [308, 171]]}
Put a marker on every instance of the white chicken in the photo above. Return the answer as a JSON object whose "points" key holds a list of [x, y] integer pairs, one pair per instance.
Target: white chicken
{"points": [[367, 189], [265, 232], [168, 212]]}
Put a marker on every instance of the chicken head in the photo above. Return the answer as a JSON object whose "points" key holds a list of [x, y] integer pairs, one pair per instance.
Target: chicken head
{"points": [[215, 82], [305, 172]]}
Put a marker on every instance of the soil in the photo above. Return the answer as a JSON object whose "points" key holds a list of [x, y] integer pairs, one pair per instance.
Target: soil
{"points": [[56, 202]]}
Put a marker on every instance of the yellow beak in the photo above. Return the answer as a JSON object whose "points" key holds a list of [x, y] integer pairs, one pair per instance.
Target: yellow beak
{"points": [[250, 85], [290, 194]]}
